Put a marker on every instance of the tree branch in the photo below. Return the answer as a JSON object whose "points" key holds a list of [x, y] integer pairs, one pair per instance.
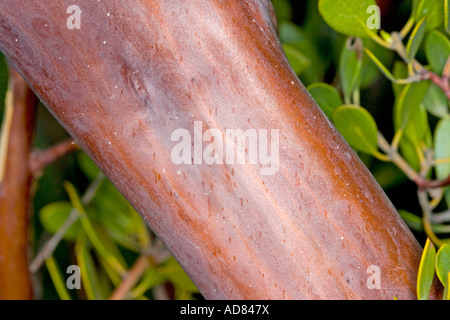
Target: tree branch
{"points": [[40, 159], [15, 281]]}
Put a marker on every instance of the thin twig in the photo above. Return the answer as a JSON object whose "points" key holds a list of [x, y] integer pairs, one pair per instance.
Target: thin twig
{"points": [[131, 277], [40, 159], [395, 157], [152, 256], [441, 217], [423, 183], [441, 82], [427, 216]]}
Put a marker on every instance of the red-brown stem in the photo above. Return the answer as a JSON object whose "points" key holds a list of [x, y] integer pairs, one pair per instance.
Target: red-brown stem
{"points": [[442, 82], [40, 159], [15, 281], [423, 183], [131, 278]]}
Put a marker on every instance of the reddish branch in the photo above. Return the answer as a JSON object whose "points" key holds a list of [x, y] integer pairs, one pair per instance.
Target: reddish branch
{"points": [[441, 82], [423, 183], [15, 282], [40, 159], [20, 166]]}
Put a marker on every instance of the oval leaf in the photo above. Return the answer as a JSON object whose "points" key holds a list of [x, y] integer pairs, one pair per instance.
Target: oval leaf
{"points": [[442, 147], [447, 16], [426, 271], [436, 102], [433, 10], [350, 67], [408, 103], [326, 96], [416, 38], [443, 264], [380, 65], [358, 127], [437, 50], [299, 62], [348, 17], [53, 215], [414, 135]]}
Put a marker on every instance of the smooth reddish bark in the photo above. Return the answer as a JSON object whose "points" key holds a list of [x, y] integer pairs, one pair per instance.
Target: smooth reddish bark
{"points": [[136, 72], [15, 280]]}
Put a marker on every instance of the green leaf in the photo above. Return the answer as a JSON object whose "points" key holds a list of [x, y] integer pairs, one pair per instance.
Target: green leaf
{"points": [[413, 221], [53, 215], [301, 40], [88, 166], [350, 65], [380, 65], [426, 271], [370, 71], [408, 104], [57, 278], [400, 71], [358, 127], [151, 278], [299, 62], [442, 147], [413, 137], [437, 50], [282, 9], [110, 210], [416, 223], [433, 10], [291, 33], [326, 96], [92, 233], [443, 264], [173, 271], [447, 196], [415, 5], [447, 16], [436, 102], [416, 38], [89, 275], [348, 17]]}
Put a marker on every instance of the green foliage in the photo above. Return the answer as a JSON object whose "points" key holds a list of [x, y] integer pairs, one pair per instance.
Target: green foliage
{"points": [[107, 232], [442, 147], [326, 96], [348, 17], [433, 263], [358, 127], [416, 38], [432, 10], [53, 216], [426, 271], [350, 66], [437, 48]]}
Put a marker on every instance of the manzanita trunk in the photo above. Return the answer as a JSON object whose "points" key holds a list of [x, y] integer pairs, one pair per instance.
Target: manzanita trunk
{"points": [[301, 217]]}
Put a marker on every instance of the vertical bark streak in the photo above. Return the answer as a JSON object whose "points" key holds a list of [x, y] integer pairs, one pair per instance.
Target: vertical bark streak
{"points": [[15, 280]]}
